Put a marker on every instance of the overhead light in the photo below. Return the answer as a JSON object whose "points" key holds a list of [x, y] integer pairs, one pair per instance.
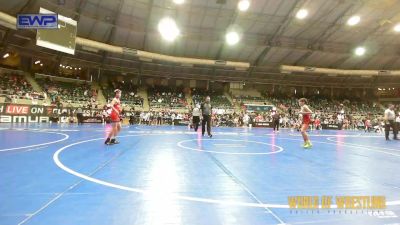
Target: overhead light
{"points": [[41, 64], [301, 14], [61, 65], [354, 20], [397, 28], [179, 2], [76, 68], [244, 5], [168, 29], [360, 51], [6, 55], [37, 62], [232, 38], [79, 68]]}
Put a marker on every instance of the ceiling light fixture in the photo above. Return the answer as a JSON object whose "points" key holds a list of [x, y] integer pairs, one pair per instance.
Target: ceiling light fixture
{"points": [[243, 5], [354, 20], [360, 51], [397, 28], [302, 14], [168, 29], [179, 2], [232, 38]]}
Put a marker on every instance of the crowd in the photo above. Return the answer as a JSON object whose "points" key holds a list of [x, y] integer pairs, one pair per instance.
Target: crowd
{"points": [[163, 96], [129, 95], [158, 118], [14, 87], [218, 99], [65, 93], [349, 114], [241, 99]]}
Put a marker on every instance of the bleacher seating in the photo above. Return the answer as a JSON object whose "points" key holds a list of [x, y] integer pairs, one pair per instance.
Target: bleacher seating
{"points": [[325, 106], [14, 86], [218, 99], [162, 96], [248, 99], [129, 93], [68, 92]]}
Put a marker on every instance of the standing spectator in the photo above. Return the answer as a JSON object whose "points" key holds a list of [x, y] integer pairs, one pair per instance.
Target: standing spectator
{"points": [[246, 119], [196, 117], [173, 118], [206, 110], [275, 120], [398, 123], [368, 125], [79, 115], [340, 118], [390, 122], [159, 118], [317, 123]]}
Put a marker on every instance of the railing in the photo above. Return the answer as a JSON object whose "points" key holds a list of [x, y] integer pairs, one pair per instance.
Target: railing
{"points": [[132, 103], [76, 101], [251, 101], [7, 93], [13, 71], [64, 79]]}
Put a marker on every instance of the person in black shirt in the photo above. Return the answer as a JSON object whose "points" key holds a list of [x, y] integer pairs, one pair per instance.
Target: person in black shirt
{"points": [[206, 111], [79, 115], [275, 120]]}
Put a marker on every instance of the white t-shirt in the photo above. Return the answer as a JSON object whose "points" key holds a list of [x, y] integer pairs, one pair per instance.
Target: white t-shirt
{"points": [[340, 117], [196, 112], [246, 118], [389, 114], [398, 119]]}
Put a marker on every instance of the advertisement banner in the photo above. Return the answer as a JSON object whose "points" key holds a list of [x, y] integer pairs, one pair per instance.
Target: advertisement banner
{"points": [[331, 126], [16, 113], [263, 124]]}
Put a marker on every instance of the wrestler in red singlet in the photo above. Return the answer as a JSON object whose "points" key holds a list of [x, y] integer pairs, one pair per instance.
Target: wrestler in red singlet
{"points": [[306, 119], [306, 113], [116, 110], [115, 119]]}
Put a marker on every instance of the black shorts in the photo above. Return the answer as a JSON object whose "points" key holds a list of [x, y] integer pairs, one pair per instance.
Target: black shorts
{"points": [[196, 119]]}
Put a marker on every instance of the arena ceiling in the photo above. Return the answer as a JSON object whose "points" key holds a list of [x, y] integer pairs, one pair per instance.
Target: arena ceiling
{"points": [[271, 35]]}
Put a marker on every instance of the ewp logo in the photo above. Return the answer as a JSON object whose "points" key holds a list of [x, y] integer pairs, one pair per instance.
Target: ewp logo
{"points": [[37, 21]]}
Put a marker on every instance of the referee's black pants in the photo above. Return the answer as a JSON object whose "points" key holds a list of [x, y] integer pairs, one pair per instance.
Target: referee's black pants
{"points": [[79, 116], [397, 128], [275, 124], [390, 124], [196, 121], [206, 119]]}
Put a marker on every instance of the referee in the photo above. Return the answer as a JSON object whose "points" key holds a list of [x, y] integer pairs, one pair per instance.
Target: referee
{"points": [[79, 115], [398, 123], [390, 122], [275, 120], [206, 111], [196, 117]]}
